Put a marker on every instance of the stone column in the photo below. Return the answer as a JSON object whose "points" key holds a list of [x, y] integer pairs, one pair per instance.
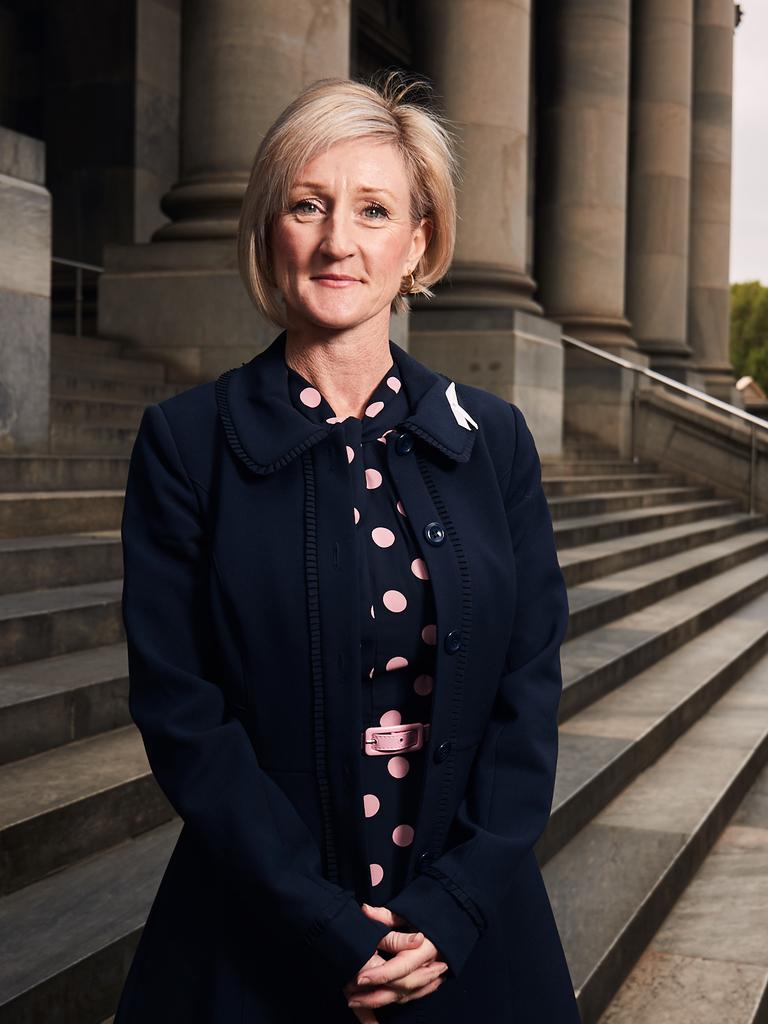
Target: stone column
{"points": [[709, 290], [180, 295], [25, 294], [478, 56], [583, 172], [659, 183], [582, 204], [482, 326]]}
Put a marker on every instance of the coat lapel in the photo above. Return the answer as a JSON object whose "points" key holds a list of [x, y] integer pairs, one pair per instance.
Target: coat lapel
{"points": [[266, 430]]}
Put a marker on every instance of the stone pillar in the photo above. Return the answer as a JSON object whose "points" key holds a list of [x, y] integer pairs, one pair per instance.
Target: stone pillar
{"points": [[478, 56], [180, 295], [709, 300], [582, 204], [659, 183], [482, 327], [583, 173], [25, 294], [157, 91]]}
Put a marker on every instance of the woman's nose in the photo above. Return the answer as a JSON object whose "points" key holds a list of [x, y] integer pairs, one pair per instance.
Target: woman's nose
{"points": [[337, 235]]}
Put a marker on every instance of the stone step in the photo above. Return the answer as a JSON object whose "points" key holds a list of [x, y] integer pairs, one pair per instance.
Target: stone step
{"points": [[588, 529], [602, 659], [32, 513], [69, 939], [607, 744], [41, 623], [35, 563], [590, 561], [558, 486], [551, 466], [587, 450], [51, 701], [36, 513], [70, 381], [70, 411], [708, 962], [68, 344], [609, 597], [81, 438], [577, 505], [71, 802], [42, 471], [614, 883], [109, 367]]}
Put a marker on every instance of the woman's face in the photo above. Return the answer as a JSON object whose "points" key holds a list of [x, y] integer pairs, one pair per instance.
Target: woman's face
{"points": [[348, 215]]}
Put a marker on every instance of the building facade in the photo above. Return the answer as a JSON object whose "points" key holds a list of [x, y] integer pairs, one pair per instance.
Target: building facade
{"points": [[595, 153]]}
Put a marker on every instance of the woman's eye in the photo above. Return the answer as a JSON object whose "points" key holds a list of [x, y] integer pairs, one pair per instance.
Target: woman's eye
{"points": [[377, 208], [302, 205]]}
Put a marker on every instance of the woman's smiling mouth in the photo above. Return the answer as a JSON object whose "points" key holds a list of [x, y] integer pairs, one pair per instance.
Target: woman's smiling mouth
{"points": [[335, 280]]}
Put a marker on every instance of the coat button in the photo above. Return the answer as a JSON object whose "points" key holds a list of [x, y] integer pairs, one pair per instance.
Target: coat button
{"points": [[452, 641], [435, 533], [426, 858], [442, 751], [403, 442]]}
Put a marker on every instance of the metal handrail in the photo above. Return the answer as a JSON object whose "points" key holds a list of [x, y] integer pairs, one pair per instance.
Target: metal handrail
{"points": [[755, 422], [79, 268]]}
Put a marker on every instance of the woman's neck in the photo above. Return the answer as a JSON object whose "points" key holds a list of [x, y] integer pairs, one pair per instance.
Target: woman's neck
{"points": [[344, 366]]}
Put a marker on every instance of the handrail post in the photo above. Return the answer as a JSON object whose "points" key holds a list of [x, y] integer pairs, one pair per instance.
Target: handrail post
{"points": [[634, 418], [78, 301], [752, 468]]}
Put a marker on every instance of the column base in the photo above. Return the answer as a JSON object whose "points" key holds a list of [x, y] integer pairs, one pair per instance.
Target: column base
{"points": [[598, 397], [482, 286], [679, 369], [510, 353], [182, 302], [608, 332], [25, 295], [719, 382]]}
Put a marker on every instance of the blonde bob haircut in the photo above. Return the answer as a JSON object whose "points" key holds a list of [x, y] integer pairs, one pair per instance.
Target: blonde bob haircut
{"points": [[334, 110]]}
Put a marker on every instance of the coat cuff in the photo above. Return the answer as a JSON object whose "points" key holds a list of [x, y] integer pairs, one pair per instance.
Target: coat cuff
{"points": [[443, 918], [343, 940]]}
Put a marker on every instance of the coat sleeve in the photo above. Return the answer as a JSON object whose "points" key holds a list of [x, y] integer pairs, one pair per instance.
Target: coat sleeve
{"points": [[511, 785], [200, 755]]}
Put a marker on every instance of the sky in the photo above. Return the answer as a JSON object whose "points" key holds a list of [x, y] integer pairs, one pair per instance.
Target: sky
{"points": [[749, 178]]}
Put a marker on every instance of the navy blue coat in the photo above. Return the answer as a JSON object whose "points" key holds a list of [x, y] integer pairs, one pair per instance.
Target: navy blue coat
{"points": [[241, 616]]}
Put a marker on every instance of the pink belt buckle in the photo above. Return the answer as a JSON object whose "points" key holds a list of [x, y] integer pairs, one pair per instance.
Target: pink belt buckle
{"points": [[385, 740]]}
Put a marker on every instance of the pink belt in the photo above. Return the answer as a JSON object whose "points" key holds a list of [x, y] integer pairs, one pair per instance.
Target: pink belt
{"points": [[380, 740]]}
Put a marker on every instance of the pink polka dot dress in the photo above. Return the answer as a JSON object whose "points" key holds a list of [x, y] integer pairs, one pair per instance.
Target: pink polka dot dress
{"points": [[399, 625]]}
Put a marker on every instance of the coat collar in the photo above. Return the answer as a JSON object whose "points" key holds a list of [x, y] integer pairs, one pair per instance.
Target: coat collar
{"points": [[266, 430]]}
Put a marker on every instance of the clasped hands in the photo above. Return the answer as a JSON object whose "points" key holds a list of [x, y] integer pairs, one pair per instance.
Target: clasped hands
{"points": [[413, 972]]}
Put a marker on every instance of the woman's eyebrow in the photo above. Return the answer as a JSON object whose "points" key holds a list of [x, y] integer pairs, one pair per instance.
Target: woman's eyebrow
{"points": [[362, 190]]}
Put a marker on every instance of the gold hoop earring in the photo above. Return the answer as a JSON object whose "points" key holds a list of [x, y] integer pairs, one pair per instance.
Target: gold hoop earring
{"points": [[411, 283]]}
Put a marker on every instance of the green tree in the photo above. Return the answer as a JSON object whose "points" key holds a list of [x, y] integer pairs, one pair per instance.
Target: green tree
{"points": [[749, 330]]}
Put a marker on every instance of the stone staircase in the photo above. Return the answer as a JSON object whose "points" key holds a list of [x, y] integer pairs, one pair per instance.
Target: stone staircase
{"points": [[656, 856]]}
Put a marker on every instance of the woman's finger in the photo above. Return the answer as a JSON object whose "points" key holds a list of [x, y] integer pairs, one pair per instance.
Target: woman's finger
{"points": [[403, 962], [430, 968], [420, 993], [364, 1015], [399, 991], [384, 914], [394, 941]]}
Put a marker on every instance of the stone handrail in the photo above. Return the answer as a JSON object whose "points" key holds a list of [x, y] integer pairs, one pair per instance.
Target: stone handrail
{"points": [[755, 422], [79, 268]]}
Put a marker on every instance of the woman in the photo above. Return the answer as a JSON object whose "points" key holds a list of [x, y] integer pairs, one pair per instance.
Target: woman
{"points": [[344, 610]]}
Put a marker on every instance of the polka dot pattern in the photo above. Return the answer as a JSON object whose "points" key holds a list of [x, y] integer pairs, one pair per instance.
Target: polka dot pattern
{"points": [[398, 632]]}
